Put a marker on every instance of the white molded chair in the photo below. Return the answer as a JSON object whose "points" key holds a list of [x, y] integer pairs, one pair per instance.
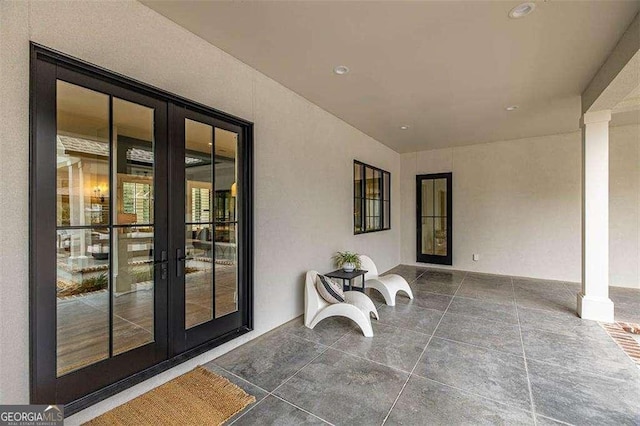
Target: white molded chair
{"points": [[388, 285], [357, 307]]}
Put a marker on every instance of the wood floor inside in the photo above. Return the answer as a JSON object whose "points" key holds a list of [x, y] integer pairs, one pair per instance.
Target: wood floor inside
{"points": [[83, 320]]}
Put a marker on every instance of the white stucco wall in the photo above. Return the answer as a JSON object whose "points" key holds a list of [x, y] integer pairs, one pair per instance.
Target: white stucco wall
{"points": [[624, 206], [303, 162], [518, 205]]}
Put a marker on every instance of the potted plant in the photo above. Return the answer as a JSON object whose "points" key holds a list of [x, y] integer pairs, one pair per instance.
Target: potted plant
{"points": [[347, 261]]}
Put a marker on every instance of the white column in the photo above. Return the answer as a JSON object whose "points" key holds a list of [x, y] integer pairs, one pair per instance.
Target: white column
{"points": [[593, 300]]}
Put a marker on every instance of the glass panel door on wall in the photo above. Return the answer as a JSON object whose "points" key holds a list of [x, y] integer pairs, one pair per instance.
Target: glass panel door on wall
{"points": [[107, 250], [434, 233], [105, 236], [208, 254], [140, 231]]}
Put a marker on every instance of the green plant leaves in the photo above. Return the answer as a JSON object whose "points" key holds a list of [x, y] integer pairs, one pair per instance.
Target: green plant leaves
{"points": [[342, 257]]}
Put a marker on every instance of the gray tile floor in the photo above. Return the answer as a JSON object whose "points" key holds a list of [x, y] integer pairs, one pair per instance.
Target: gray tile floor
{"points": [[469, 349]]}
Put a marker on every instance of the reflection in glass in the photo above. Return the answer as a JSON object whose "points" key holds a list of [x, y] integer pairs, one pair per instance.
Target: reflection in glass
{"points": [[133, 162], [82, 283], [227, 195], [386, 196], [200, 204], [198, 275], [427, 235], [440, 194], [198, 171], [434, 216], [82, 196], [133, 287], [387, 215], [357, 180], [357, 197], [133, 246], [440, 236], [371, 198], [199, 236], [370, 187], [427, 197], [211, 233], [82, 202], [85, 278], [440, 212], [387, 186], [373, 179]]}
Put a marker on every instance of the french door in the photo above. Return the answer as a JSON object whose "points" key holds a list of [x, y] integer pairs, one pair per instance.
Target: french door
{"points": [[140, 231], [205, 228], [434, 218]]}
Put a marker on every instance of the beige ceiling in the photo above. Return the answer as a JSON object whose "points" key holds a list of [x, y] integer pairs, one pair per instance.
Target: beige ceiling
{"points": [[631, 102], [447, 69], [628, 110]]}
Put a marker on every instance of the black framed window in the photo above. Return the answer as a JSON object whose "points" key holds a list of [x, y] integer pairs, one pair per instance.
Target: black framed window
{"points": [[371, 198]]}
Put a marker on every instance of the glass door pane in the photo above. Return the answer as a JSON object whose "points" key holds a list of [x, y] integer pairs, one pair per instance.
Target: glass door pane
{"points": [[83, 239], [133, 237], [82, 298], [199, 265], [440, 216], [227, 194], [211, 220], [207, 240], [434, 220], [105, 226], [427, 235], [427, 217]]}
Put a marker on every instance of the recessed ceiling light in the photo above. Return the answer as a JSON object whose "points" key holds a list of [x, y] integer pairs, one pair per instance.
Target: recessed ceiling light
{"points": [[522, 10], [341, 70], [512, 108], [404, 127]]}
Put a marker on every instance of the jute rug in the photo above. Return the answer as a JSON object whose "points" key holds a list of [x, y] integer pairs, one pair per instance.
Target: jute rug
{"points": [[198, 397]]}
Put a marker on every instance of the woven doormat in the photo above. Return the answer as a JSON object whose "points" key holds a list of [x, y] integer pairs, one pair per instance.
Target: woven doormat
{"points": [[198, 397]]}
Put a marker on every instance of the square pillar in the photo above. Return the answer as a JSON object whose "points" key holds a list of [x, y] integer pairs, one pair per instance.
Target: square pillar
{"points": [[593, 300]]}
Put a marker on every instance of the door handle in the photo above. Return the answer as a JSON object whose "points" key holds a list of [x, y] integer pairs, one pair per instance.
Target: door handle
{"points": [[180, 261], [164, 264]]}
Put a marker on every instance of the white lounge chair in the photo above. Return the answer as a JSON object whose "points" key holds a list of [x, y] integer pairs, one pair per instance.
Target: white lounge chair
{"points": [[387, 285], [357, 307]]}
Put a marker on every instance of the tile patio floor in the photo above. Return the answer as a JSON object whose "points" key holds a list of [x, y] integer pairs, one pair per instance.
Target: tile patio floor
{"points": [[469, 349]]}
